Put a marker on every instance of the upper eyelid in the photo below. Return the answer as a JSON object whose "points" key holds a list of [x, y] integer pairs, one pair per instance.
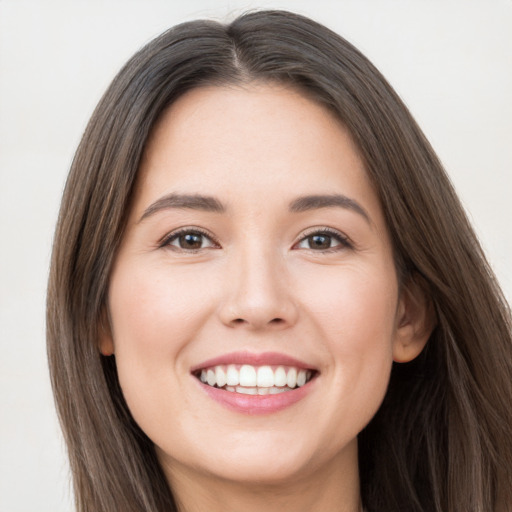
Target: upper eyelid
{"points": [[322, 229], [304, 234], [343, 239], [187, 229]]}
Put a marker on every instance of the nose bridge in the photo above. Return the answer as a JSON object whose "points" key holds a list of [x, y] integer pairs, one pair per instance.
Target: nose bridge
{"points": [[257, 294]]}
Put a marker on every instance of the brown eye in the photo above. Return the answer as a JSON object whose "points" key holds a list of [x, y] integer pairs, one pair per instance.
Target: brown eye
{"points": [[323, 240], [319, 241], [189, 241]]}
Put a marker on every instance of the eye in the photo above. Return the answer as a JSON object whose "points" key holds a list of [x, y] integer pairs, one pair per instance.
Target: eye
{"points": [[189, 240], [323, 240]]}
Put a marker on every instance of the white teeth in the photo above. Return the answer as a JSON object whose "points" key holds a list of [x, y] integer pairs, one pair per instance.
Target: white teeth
{"points": [[232, 376], [246, 391], [276, 391], [291, 378], [265, 377], [210, 378], [247, 375], [257, 391], [220, 376], [280, 377]]}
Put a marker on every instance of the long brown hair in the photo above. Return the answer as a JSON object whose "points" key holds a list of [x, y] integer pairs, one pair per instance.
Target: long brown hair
{"points": [[442, 439]]}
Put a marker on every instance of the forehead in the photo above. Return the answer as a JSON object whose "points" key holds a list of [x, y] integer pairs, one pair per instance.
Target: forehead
{"points": [[242, 142]]}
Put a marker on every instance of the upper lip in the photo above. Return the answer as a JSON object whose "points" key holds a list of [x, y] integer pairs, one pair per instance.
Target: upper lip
{"points": [[253, 359]]}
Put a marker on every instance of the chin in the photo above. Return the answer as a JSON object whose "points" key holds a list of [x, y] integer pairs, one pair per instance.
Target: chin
{"points": [[268, 471], [261, 459]]}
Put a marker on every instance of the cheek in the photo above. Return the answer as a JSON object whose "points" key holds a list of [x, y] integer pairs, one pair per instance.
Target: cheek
{"points": [[154, 308], [355, 305], [154, 313], [355, 312]]}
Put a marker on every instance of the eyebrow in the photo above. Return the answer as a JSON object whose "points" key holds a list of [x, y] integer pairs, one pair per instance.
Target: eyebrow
{"points": [[315, 202], [184, 201], [211, 204]]}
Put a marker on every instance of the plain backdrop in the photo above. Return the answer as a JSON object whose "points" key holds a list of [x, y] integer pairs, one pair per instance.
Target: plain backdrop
{"points": [[449, 60]]}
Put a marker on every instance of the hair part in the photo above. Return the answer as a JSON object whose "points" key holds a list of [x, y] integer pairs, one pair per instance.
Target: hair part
{"points": [[442, 438]]}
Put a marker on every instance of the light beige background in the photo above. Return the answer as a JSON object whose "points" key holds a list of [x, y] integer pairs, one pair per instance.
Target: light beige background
{"points": [[449, 60]]}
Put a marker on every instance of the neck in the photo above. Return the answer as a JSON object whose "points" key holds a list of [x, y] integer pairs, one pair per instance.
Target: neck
{"points": [[329, 488]]}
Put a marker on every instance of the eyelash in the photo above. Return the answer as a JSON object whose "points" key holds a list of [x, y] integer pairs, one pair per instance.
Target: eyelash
{"points": [[175, 235], [343, 241]]}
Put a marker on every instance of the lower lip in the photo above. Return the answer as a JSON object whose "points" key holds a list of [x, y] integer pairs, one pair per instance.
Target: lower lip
{"points": [[256, 404]]}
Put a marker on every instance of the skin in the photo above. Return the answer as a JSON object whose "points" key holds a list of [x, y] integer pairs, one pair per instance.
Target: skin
{"points": [[257, 284]]}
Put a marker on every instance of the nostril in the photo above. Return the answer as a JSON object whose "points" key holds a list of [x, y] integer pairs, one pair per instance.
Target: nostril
{"points": [[274, 321]]}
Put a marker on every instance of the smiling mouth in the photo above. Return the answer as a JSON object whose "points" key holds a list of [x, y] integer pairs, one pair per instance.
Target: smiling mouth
{"points": [[255, 380]]}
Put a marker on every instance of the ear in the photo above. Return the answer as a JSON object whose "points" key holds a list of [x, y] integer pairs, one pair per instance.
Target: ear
{"points": [[105, 338], [416, 319]]}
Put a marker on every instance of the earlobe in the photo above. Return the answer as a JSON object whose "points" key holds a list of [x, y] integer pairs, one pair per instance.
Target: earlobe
{"points": [[416, 319], [105, 338]]}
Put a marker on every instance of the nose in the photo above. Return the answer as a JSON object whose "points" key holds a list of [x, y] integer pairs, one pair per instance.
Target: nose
{"points": [[257, 294]]}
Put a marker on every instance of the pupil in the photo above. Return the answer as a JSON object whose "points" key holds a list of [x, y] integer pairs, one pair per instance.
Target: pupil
{"points": [[191, 241], [320, 241]]}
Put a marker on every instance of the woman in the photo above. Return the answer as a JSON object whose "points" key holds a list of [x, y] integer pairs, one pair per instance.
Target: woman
{"points": [[265, 293]]}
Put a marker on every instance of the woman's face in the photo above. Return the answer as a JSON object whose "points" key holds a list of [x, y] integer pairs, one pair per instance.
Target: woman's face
{"points": [[256, 253]]}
